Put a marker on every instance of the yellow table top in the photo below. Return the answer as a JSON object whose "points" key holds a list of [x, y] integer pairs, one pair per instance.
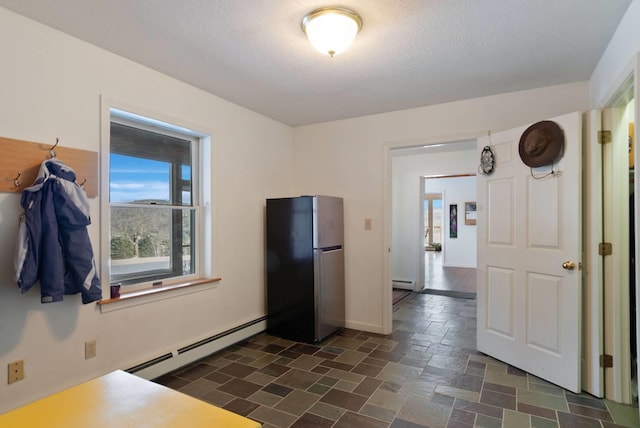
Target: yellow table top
{"points": [[119, 399]]}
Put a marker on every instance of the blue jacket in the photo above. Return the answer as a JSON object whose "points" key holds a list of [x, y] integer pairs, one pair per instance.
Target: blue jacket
{"points": [[53, 243]]}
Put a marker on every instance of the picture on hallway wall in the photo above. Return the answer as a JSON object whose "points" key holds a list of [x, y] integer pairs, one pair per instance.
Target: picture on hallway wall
{"points": [[453, 221], [470, 215]]}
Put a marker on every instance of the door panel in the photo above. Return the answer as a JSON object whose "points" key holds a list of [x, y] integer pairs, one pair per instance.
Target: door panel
{"points": [[529, 306], [543, 291], [543, 215], [500, 210], [500, 293]]}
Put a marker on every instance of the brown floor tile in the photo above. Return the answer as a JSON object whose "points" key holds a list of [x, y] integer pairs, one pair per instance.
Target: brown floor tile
{"points": [[536, 411], [239, 388], [586, 401], [218, 377], [343, 399], [320, 369], [375, 362], [367, 387], [515, 371], [273, 349], [309, 420], [462, 417], [497, 399], [325, 355], [297, 403], [442, 399], [237, 370], [480, 408], [241, 407], [612, 425], [171, 381], [290, 354], [590, 412], [273, 417], [274, 369], [509, 390], [195, 371], [567, 420], [399, 423], [198, 388], [304, 348], [300, 379], [336, 365], [276, 389], [366, 369], [352, 420], [465, 381]]}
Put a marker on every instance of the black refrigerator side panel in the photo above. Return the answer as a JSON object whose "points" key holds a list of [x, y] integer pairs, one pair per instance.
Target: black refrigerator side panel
{"points": [[290, 274]]}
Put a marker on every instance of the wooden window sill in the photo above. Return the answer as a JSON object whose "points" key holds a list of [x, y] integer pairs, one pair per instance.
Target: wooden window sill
{"points": [[157, 293]]}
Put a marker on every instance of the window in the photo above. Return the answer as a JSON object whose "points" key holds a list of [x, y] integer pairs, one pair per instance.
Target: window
{"points": [[154, 211]]}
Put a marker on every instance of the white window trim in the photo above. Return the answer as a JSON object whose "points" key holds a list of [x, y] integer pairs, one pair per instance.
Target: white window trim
{"points": [[205, 245]]}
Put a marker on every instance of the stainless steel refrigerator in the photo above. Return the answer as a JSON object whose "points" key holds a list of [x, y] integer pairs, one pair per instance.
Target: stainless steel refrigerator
{"points": [[305, 267]]}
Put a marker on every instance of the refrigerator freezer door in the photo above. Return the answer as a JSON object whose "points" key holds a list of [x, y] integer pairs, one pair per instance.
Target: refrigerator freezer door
{"points": [[329, 292], [328, 224]]}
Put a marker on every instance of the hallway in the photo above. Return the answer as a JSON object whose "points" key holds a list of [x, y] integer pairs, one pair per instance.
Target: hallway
{"points": [[449, 281], [427, 373]]}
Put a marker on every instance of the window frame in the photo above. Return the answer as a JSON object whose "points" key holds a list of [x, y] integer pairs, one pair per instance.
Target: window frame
{"points": [[201, 193], [170, 275]]}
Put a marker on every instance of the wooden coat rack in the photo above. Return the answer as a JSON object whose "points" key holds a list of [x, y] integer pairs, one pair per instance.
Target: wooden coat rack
{"points": [[20, 162]]}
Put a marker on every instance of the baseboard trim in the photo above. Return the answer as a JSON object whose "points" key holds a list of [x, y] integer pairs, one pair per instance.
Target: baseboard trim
{"points": [[371, 328], [449, 293], [180, 357]]}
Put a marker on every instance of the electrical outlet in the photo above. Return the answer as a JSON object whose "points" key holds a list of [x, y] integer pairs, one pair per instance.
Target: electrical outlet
{"points": [[15, 371], [89, 349]]}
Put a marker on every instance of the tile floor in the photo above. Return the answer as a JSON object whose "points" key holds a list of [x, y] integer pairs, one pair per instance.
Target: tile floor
{"points": [[425, 374]]}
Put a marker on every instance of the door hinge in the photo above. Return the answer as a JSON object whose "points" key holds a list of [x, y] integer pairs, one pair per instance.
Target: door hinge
{"points": [[606, 361], [605, 249], [604, 137]]}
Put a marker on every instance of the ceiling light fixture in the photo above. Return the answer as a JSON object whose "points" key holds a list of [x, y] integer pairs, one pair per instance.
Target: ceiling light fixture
{"points": [[331, 30]]}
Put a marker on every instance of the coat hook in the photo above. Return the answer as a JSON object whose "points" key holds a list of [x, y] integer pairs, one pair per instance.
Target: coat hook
{"points": [[52, 151], [16, 181], [83, 182]]}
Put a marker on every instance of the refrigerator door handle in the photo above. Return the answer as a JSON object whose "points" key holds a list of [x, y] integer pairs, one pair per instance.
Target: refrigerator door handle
{"points": [[328, 249]]}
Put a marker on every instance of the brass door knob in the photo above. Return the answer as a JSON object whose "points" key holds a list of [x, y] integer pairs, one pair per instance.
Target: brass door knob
{"points": [[569, 265]]}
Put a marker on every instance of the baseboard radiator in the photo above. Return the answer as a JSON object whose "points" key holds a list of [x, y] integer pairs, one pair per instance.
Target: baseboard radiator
{"points": [[180, 357], [403, 284]]}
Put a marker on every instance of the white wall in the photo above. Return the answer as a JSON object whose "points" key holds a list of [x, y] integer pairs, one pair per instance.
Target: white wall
{"points": [[619, 59], [51, 86], [350, 158], [406, 234]]}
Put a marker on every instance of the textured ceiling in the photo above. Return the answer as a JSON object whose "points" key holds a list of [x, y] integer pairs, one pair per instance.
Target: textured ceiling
{"points": [[410, 53]]}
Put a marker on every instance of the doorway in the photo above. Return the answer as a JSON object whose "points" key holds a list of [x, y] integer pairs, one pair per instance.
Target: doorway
{"points": [[449, 235], [433, 222], [619, 218]]}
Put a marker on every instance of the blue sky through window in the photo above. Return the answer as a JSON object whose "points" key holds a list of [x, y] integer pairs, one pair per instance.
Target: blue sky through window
{"points": [[133, 179]]}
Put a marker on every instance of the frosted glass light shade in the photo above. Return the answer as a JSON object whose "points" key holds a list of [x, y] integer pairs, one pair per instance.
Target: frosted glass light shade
{"points": [[331, 30]]}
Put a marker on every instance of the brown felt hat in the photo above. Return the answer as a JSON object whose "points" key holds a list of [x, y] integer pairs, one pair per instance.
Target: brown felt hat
{"points": [[541, 144]]}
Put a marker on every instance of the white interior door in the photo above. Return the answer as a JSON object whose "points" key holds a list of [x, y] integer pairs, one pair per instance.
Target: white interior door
{"points": [[529, 306]]}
